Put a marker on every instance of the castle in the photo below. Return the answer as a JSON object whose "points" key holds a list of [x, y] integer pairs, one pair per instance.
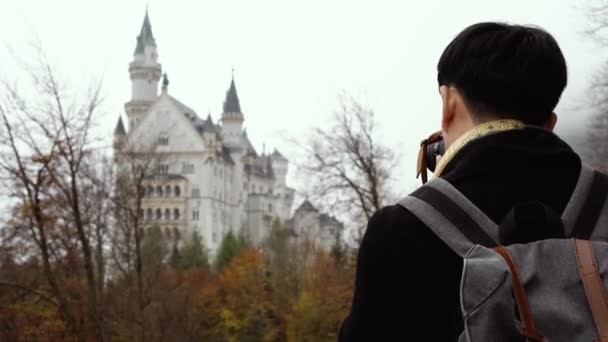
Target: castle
{"points": [[210, 179]]}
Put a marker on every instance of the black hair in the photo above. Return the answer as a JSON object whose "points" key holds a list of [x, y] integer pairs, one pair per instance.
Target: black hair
{"points": [[506, 71]]}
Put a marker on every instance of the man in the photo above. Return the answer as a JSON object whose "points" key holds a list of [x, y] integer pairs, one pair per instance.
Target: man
{"points": [[499, 85]]}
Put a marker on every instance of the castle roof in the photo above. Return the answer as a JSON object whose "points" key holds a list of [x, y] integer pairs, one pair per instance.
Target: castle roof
{"points": [[250, 149], [120, 128], [327, 220], [277, 155], [307, 206], [231, 104], [145, 38], [208, 125], [260, 166]]}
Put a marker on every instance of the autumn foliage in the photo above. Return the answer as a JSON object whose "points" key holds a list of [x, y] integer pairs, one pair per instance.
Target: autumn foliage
{"points": [[246, 301]]}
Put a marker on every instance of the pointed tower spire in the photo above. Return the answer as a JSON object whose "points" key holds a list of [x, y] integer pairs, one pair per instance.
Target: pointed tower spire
{"points": [[208, 125], [165, 83], [120, 128], [145, 38], [231, 104], [232, 118]]}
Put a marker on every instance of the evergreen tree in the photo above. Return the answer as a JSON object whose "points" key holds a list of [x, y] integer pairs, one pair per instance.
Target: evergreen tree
{"points": [[230, 247], [194, 253], [284, 265]]}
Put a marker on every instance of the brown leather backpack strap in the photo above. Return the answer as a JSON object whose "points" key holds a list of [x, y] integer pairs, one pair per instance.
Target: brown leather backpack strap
{"points": [[525, 313], [594, 287]]}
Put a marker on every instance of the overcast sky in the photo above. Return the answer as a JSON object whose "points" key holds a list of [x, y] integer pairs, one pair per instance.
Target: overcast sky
{"points": [[291, 59]]}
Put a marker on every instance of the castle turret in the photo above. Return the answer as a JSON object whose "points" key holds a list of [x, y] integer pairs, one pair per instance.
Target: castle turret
{"points": [[145, 72], [120, 135], [232, 118], [209, 131]]}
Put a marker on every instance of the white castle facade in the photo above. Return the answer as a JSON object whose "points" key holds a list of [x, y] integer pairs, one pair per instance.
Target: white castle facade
{"points": [[210, 178]]}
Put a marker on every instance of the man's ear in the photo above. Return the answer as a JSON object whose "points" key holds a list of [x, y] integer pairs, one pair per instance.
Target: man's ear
{"points": [[447, 108], [551, 121]]}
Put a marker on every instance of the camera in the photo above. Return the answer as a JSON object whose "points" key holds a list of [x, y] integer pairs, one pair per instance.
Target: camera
{"points": [[430, 148]]}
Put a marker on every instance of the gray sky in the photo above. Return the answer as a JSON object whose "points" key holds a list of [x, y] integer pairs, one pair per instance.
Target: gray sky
{"points": [[291, 58]]}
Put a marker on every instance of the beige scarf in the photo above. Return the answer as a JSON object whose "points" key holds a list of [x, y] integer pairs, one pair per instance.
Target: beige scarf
{"points": [[476, 132]]}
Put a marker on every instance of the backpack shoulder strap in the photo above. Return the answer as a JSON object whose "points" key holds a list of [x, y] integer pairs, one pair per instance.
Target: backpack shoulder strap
{"points": [[588, 208], [451, 216]]}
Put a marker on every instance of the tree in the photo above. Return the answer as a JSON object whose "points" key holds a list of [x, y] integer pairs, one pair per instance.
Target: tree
{"points": [[245, 289], [136, 165], [230, 247], [45, 143], [350, 169], [194, 253], [154, 248]]}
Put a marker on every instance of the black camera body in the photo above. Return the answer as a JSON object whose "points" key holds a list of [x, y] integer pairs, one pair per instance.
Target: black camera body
{"points": [[432, 151], [430, 148]]}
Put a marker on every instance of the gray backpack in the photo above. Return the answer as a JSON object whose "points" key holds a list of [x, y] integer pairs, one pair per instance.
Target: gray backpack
{"points": [[551, 290]]}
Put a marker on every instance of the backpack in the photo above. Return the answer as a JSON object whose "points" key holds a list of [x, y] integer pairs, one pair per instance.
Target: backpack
{"points": [[551, 290]]}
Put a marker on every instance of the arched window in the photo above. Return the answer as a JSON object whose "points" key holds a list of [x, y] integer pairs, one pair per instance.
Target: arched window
{"points": [[150, 190], [159, 191], [176, 214], [176, 234], [149, 214], [167, 214], [159, 214], [168, 191], [168, 233], [176, 191]]}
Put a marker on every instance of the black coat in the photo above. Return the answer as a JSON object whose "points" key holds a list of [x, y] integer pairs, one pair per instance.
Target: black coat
{"points": [[407, 281]]}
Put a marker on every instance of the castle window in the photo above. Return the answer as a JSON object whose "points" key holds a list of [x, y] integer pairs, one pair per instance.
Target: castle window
{"points": [[176, 233], [159, 191], [176, 191], [168, 191], [150, 190], [141, 213], [167, 214], [159, 214], [196, 192], [149, 214], [163, 139], [168, 233], [163, 169], [195, 215], [187, 168], [176, 214]]}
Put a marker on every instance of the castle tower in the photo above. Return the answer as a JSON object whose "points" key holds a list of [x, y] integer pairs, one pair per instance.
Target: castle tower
{"points": [[232, 118], [279, 166], [145, 72]]}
